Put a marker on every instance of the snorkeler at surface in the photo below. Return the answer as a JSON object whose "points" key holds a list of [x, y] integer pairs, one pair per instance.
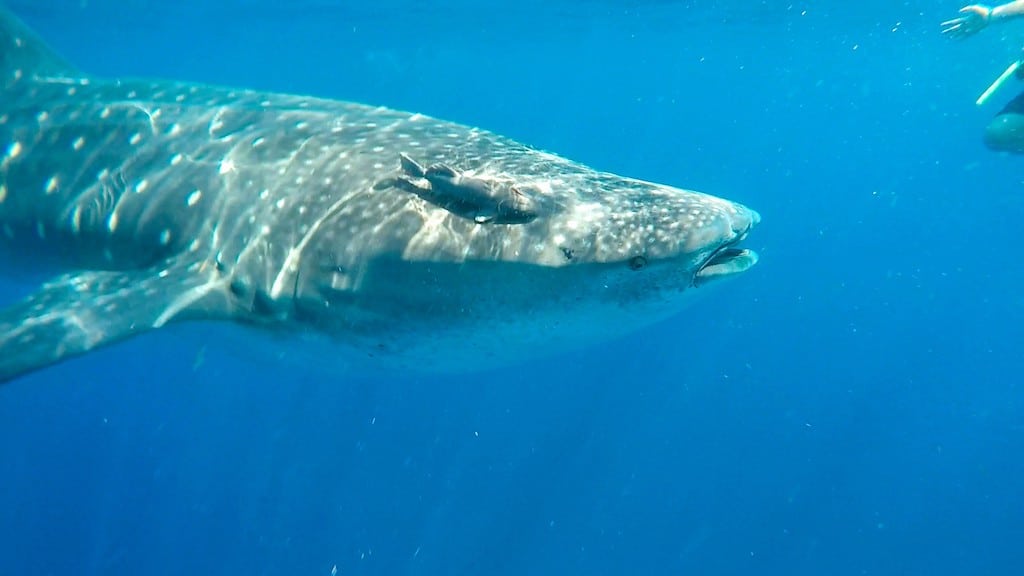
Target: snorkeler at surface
{"points": [[1005, 132]]}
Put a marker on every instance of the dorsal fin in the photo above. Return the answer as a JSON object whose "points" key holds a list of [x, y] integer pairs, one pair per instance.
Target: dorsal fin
{"points": [[23, 55]]}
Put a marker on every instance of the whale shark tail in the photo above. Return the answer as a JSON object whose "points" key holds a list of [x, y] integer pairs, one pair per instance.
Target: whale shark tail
{"points": [[23, 55]]}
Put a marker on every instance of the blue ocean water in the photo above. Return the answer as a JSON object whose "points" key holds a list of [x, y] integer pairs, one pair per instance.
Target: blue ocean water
{"points": [[850, 406]]}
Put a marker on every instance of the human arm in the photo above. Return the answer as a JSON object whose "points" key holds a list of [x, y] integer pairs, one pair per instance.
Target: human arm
{"points": [[975, 17]]}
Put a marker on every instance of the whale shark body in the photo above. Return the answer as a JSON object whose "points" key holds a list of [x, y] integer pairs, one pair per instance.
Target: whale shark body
{"points": [[421, 243]]}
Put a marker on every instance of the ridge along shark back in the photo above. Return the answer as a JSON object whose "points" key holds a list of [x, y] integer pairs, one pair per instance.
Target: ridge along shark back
{"points": [[425, 244]]}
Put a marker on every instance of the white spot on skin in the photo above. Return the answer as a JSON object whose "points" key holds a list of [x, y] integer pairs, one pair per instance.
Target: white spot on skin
{"points": [[176, 159], [3, 193], [280, 203], [13, 151], [52, 184], [112, 222], [42, 116], [76, 220], [141, 186], [135, 139], [194, 198], [174, 129], [78, 144], [227, 166], [165, 237], [72, 91], [17, 74], [105, 113]]}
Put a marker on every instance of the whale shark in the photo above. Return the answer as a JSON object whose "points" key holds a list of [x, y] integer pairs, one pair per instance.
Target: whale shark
{"points": [[409, 241]]}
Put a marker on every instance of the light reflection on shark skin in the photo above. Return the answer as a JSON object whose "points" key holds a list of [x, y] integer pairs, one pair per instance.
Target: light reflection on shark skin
{"points": [[425, 244]]}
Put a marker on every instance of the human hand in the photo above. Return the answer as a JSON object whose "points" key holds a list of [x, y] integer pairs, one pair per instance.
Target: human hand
{"points": [[975, 17]]}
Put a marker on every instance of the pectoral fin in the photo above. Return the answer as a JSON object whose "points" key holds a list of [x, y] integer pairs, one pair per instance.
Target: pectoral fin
{"points": [[80, 312]]}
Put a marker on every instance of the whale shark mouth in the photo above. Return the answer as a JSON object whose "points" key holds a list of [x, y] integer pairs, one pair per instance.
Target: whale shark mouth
{"points": [[725, 262]]}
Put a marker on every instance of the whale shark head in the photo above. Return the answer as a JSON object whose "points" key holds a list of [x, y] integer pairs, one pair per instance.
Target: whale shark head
{"points": [[503, 252]]}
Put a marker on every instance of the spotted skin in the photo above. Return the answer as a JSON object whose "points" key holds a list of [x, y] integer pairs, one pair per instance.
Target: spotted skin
{"points": [[168, 201]]}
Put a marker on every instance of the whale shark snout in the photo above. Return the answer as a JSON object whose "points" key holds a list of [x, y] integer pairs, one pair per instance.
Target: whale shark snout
{"points": [[728, 258]]}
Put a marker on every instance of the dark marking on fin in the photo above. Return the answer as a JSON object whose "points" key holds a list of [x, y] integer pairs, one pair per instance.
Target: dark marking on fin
{"points": [[411, 178], [79, 312], [410, 166], [442, 171]]}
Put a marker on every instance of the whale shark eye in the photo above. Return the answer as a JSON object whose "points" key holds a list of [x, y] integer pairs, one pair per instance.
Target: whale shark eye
{"points": [[637, 262]]}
